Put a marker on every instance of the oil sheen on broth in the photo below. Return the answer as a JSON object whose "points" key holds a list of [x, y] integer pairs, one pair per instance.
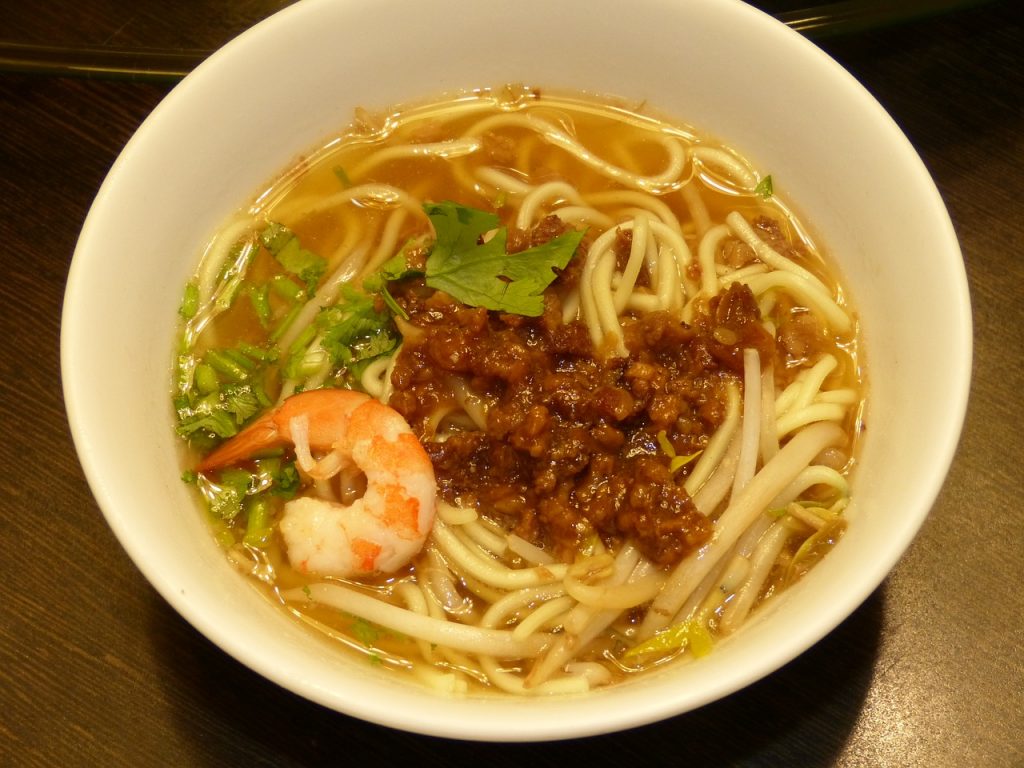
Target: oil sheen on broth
{"points": [[622, 384]]}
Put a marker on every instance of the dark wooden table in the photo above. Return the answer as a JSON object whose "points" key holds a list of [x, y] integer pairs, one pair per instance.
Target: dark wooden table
{"points": [[95, 669]]}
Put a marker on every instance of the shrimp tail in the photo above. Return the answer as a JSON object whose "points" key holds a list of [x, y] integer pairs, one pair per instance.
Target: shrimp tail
{"points": [[326, 412], [261, 435]]}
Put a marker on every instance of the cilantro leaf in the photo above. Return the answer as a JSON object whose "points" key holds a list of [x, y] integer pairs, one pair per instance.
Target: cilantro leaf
{"points": [[764, 187], [395, 268], [482, 274], [219, 391], [354, 332], [290, 254], [226, 496], [286, 481], [221, 412]]}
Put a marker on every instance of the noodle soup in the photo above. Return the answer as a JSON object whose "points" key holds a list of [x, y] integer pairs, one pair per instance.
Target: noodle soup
{"points": [[631, 379]]}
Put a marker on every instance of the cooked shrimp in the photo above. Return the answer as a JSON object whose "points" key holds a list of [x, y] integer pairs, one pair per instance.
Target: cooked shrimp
{"points": [[379, 532]]}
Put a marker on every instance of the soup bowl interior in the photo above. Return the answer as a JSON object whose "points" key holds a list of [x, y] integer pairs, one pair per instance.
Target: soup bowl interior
{"points": [[722, 67]]}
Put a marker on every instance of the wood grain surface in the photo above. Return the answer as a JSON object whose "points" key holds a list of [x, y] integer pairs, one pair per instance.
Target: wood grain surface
{"points": [[97, 670]]}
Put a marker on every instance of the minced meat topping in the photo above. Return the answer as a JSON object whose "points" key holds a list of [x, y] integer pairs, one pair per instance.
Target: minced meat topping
{"points": [[569, 447]]}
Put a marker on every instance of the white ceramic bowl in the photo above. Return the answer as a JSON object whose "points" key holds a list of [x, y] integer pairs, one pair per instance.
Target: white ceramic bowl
{"points": [[717, 64]]}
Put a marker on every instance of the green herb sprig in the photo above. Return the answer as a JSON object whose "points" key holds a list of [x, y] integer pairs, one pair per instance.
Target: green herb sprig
{"points": [[480, 273]]}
